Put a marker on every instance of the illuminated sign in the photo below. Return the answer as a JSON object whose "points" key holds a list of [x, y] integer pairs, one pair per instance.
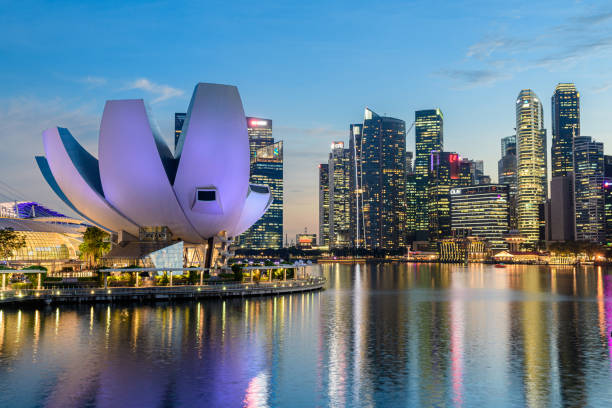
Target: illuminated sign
{"points": [[455, 191], [258, 122]]}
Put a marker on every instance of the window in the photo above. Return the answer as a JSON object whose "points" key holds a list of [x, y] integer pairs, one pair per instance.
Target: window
{"points": [[206, 195]]}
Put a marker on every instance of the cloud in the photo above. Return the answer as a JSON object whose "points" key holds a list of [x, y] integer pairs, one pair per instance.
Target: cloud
{"points": [[473, 77], [163, 92], [595, 18], [93, 80]]}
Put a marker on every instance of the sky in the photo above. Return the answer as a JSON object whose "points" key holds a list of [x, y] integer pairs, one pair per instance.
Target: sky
{"points": [[312, 67]]}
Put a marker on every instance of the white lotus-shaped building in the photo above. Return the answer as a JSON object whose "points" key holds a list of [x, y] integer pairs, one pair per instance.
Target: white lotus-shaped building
{"points": [[200, 192]]}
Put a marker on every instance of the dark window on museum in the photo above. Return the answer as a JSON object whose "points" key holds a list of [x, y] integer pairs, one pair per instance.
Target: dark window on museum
{"points": [[206, 195]]}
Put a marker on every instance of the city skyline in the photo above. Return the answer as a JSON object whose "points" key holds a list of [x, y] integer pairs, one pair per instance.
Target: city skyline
{"points": [[481, 73]]}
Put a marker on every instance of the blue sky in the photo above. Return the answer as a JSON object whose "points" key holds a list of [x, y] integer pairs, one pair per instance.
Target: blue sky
{"points": [[312, 67]]}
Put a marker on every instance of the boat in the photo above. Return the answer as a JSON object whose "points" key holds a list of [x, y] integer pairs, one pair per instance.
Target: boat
{"points": [[500, 265]]}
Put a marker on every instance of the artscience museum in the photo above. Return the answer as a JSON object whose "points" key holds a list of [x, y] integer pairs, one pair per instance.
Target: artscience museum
{"points": [[197, 198]]}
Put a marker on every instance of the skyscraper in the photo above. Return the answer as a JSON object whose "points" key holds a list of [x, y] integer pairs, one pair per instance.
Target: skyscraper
{"points": [[531, 164], [565, 118], [340, 196], [608, 198], [483, 210], [384, 180], [266, 168], [428, 128], [589, 189], [179, 119], [324, 204], [356, 219], [506, 174]]}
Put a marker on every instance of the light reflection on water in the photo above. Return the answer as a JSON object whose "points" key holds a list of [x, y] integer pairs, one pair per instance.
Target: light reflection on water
{"points": [[380, 335]]}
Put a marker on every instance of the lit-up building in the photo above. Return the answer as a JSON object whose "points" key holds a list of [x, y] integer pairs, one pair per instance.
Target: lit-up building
{"points": [[608, 198], [267, 169], [305, 240], [357, 218], [428, 128], [324, 204], [179, 120], [463, 249], [384, 181], [51, 239], [260, 135], [589, 189], [531, 165], [565, 118], [444, 174], [339, 196], [411, 207], [506, 174], [484, 211]]}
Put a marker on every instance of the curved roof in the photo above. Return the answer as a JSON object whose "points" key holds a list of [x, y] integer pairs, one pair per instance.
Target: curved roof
{"points": [[20, 224]]}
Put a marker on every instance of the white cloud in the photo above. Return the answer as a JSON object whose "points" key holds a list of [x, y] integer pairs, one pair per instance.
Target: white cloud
{"points": [[93, 80], [163, 92]]}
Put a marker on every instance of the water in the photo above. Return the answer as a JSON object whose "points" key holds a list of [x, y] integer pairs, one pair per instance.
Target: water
{"points": [[380, 335]]}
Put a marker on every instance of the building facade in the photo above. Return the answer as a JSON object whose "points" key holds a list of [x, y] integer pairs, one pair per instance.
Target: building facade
{"points": [[179, 119], [608, 198], [531, 165], [484, 211], [340, 196], [429, 136], [589, 189], [384, 181], [356, 181], [506, 174], [266, 167], [324, 204]]}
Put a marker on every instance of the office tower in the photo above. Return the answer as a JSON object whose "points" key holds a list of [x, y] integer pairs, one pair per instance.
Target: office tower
{"points": [[356, 219], [266, 168], [589, 189], [409, 158], [565, 118], [477, 170], [384, 180], [531, 165], [506, 174], [179, 119], [428, 129], [260, 134], [508, 143], [444, 174], [608, 198], [484, 211], [411, 209], [324, 204], [339, 196], [466, 176]]}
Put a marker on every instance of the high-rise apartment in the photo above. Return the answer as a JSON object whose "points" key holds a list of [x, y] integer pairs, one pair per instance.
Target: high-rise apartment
{"points": [[340, 196], [531, 165], [384, 180], [324, 204], [428, 128], [589, 189]]}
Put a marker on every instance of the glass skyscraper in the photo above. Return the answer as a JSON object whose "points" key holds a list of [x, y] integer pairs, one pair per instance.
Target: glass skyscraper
{"points": [[340, 196], [357, 219], [589, 189], [565, 118], [324, 204], [266, 168], [506, 174], [608, 198], [179, 119], [531, 165], [429, 137], [384, 180]]}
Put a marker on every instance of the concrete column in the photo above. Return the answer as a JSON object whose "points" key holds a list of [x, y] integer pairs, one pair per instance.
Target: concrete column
{"points": [[285, 274], [201, 277], [171, 273], [38, 286]]}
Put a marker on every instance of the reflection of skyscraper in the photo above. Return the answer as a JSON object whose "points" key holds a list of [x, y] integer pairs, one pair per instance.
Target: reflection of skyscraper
{"points": [[384, 178], [339, 195], [324, 204], [589, 183], [266, 168], [531, 164], [179, 119], [428, 130]]}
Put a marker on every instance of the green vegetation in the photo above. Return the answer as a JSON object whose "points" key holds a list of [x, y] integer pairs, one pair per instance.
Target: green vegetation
{"points": [[95, 244], [10, 241]]}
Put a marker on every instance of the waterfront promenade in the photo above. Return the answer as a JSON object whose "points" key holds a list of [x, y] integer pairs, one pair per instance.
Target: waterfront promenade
{"points": [[158, 293]]}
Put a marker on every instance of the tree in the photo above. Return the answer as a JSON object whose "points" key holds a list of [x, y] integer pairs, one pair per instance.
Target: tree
{"points": [[95, 244], [10, 241]]}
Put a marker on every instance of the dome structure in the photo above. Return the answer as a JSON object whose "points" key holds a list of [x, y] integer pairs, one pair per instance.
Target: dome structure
{"points": [[199, 192]]}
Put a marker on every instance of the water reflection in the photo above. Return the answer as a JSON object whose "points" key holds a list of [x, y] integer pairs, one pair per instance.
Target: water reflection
{"points": [[380, 335]]}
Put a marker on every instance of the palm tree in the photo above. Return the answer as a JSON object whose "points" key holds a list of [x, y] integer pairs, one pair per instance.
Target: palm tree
{"points": [[95, 244]]}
